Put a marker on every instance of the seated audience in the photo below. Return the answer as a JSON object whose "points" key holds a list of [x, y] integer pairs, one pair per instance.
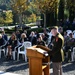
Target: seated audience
{"points": [[66, 38], [32, 38], [23, 38], [2, 41], [40, 41], [12, 43], [69, 45], [18, 35], [45, 33], [4, 36], [44, 37], [37, 34], [26, 33]]}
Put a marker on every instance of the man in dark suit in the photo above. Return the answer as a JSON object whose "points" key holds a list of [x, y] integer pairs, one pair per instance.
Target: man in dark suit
{"points": [[2, 41], [56, 52], [4, 36]]}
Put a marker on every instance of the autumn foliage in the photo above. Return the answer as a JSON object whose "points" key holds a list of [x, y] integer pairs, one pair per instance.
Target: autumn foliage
{"points": [[46, 6]]}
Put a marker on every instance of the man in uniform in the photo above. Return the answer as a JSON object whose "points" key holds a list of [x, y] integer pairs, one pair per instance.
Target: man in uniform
{"points": [[56, 52]]}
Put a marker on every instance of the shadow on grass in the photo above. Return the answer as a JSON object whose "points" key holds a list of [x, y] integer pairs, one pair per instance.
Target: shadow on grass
{"points": [[17, 68], [69, 67]]}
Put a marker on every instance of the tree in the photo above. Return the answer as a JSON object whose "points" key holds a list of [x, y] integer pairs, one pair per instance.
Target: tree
{"points": [[6, 17], [71, 8], [1, 20], [9, 17], [5, 4], [19, 6], [33, 8], [46, 6], [61, 10]]}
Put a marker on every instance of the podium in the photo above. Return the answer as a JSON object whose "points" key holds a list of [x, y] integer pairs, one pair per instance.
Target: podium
{"points": [[38, 62]]}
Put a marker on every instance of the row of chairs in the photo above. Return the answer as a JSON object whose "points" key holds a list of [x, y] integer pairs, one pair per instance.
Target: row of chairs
{"points": [[72, 58], [70, 31], [73, 55], [2, 49], [21, 50]]}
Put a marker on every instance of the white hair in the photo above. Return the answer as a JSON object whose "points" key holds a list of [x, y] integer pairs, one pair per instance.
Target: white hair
{"points": [[0, 35]]}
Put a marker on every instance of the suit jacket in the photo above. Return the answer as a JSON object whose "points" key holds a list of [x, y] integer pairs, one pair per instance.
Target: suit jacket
{"points": [[5, 37], [12, 43], [33, 40], [2, 41], [58, 43], [41, 43]]}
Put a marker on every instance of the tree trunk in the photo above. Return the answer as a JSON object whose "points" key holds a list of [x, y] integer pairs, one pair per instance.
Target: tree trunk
{"points": [[44, 20], [71, 16], [20, 19], [52, 19], [48, 20], [61, 11]]}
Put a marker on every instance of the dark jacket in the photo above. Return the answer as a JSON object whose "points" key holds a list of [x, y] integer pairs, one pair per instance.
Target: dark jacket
{"points": [[5, 37], [41, 43], [33, 40], [18, 36], [12, 43], [2, 41], [58, 43]]}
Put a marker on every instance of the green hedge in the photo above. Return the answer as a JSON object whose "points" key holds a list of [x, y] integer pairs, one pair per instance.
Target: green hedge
{"points": [[10, 31], [39, 30]]}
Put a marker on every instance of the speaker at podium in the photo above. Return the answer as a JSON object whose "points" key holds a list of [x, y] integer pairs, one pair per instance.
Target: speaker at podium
{"points": [[38, 62]]}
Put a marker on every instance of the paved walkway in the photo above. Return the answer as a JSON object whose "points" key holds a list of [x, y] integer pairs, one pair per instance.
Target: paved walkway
{"points": [[21, 68]]}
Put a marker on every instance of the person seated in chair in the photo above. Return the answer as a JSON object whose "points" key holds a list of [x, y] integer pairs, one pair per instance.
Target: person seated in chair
{"points": [[40, 41], [70, 44], [4, 36], [45, 38], [66, 38], [23, 38], [12, 43], [32, 38], [2, 41]]}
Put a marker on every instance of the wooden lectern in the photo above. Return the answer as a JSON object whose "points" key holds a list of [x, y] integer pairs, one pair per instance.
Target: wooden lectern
{"points": [[38, 62]]}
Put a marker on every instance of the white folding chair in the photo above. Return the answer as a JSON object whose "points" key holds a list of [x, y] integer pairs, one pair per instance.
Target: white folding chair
{"points": [[23, 52], [14, 52], [73, 35], [74, 31], [2, 49], [73, 55]]}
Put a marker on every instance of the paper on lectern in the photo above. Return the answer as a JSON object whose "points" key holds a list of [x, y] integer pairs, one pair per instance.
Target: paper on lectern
{"points": [[39, 50]]}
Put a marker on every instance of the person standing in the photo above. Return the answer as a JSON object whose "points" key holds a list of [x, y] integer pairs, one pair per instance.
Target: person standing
{"points": [[56, 52]]}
